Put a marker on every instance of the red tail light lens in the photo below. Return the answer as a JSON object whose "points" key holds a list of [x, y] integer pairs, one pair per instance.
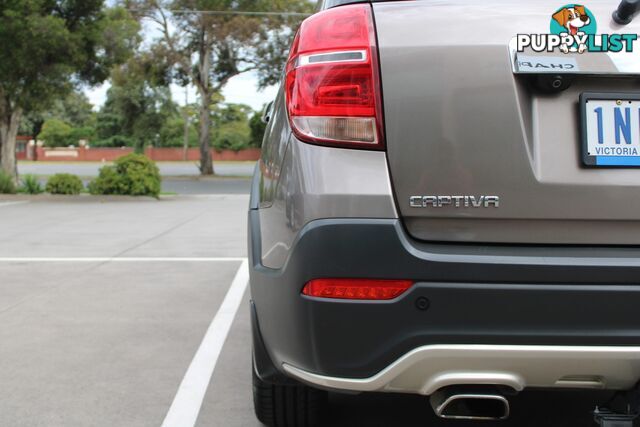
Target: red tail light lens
{"points": [[332, 79], [359, 289]]}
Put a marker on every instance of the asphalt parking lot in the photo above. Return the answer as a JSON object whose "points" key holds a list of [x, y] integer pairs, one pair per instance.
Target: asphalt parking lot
{"points": [[133, 312]]}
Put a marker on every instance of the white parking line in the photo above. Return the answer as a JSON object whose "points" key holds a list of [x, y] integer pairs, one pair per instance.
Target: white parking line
{"points": [[123, 259], [188, 400]]}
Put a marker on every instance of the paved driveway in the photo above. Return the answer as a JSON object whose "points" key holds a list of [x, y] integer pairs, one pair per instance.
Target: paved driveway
{"points": [[133, 312], [105, 302]]}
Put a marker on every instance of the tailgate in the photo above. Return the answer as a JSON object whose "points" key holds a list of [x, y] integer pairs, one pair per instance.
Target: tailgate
{"points": [[465, 125]]}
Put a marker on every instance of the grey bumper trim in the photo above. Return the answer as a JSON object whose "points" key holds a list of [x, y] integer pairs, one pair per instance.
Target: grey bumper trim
{"points": [[430, 368]]}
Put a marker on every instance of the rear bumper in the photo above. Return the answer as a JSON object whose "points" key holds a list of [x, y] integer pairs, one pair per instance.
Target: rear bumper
{"points": [[428, 369], [568, 314]]}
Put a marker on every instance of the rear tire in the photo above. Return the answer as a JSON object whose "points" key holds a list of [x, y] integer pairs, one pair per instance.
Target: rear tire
{"points": [[291, 405]]}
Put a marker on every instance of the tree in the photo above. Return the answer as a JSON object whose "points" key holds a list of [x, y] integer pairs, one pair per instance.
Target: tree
{"points": [[73, 109], [56, 133], [258, 128], [137, 107], [208, 49], [47, 47], [172, 134], [231, 131]]}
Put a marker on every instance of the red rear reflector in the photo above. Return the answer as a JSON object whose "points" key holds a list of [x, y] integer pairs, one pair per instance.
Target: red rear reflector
{"points": [[332, 79], [360, 289]]}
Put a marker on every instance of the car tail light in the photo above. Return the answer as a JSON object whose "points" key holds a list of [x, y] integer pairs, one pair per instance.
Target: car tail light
{"points": [[333, 82], [359, 289]]}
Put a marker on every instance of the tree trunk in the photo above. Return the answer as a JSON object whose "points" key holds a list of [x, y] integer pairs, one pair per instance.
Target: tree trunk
{"points": [[204, 87], [206, 164], [185, 144], [9, 123], [37, 129]]}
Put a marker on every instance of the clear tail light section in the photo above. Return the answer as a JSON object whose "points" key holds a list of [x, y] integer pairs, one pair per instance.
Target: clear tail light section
{"points": [[357, 289], [333, 80]]}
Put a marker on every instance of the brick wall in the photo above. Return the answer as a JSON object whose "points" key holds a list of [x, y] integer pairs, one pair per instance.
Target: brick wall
{"points": [[83, 154]]}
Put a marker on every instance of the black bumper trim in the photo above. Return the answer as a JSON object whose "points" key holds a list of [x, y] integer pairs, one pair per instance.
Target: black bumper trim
{"points": [[478, 295]]}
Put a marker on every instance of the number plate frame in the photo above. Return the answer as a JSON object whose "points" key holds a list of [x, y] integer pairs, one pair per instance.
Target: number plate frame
{"points": [[587, 159]]}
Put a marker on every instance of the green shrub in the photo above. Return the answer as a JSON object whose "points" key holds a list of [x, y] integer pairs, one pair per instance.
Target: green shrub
{"points": [[172, 134], [64, 183], [108, 182], [30, 185], [131, 175], [115, 141], [86, 132], [231, 136], [258, 128], [7, 186], [56, 133]]}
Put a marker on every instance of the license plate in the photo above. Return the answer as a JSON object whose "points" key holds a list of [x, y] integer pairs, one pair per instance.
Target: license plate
{"points": [[610, 129]]}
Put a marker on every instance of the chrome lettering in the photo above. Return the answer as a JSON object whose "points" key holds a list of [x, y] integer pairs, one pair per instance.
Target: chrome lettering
{"points": [[454, 201]]}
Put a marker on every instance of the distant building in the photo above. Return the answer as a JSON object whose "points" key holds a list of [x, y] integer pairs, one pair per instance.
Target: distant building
{"points": [[22, 147]]}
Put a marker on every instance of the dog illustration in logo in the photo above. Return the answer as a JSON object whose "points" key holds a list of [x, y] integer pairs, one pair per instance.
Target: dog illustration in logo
{"points": [[573, 19]]}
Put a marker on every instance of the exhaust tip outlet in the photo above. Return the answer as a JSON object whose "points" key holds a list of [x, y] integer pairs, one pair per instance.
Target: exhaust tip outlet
{"points": [[470, 406]]}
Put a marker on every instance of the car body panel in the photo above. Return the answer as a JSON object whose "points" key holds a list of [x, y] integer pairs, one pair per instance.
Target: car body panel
{"points": [[321, 182], [277, 136], [459, 122]]}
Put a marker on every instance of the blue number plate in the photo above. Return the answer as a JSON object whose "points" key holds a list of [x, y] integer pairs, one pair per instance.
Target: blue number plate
{"points": [[610, 129]]}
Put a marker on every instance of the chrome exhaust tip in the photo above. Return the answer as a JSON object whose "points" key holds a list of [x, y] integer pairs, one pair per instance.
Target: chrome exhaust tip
{"points": [[470, 406]]}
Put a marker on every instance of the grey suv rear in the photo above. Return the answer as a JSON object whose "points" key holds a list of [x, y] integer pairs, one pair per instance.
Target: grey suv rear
{"points": [[427, 216]]}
